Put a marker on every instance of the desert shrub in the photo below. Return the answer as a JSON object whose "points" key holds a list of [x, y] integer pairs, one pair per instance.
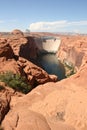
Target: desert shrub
{"points": [[60, 115], [69, 68], [16, 82], [1, 128]]}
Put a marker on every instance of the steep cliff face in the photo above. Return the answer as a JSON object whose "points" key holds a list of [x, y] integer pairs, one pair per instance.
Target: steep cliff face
{"points": [[51, 106], [5, 49], [73, 49], [28, 50], [15, 53]]}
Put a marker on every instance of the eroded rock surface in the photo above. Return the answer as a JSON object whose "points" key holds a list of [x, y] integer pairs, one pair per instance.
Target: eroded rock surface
{"points": [[10, 66], [17, 32], [35, 74], [63, 104], [52, 106], [5, 97], [10, 60], [5, 49], [16, 42], [73, 49], [25, 119]]}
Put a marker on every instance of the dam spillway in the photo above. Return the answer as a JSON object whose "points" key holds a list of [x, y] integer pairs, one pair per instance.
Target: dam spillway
{"points": [[48, 44]]}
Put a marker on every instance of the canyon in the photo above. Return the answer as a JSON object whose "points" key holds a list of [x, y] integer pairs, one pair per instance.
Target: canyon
{"points": [[51, 104]]}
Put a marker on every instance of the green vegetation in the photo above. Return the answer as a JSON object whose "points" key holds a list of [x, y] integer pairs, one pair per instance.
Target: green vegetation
{"points": [[16, 82], [69, 68], [1, 128]]}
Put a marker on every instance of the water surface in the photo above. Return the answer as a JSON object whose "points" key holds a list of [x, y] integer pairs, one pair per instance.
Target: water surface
{"points": [[51, 64]]}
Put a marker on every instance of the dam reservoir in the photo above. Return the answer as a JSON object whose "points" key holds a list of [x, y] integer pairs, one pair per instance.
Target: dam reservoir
{"points": [[47, 60], [51, 64]]}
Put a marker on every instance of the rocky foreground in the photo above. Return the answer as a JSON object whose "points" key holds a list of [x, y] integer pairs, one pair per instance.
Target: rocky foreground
{"points": [[52, 105]]}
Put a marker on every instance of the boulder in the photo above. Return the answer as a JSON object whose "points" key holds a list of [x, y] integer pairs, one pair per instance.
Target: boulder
{"points": [[5, 49], [16, 42], [10, 66], [17, 32], [35, 74], [5, 97], [25, 119]]}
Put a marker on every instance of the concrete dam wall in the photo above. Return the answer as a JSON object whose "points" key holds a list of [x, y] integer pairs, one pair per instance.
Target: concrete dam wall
{"points": [[48, 44]]}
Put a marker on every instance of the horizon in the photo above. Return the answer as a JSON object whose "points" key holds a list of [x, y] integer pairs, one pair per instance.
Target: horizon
{"points": [[57, 33], [44, 16]]}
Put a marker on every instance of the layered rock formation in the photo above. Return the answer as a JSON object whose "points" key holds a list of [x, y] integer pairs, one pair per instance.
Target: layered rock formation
{"points": [[17, 32], [35, 74], [73, 49], [29, 47], [52, 106], [5, 49], [63, 104], [12, 51]]}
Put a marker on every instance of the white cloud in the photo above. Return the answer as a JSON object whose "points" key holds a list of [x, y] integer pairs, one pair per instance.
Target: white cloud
{"points": [[9, 21], [47, 26], [56, 25], [77, 23], [1, 21]]}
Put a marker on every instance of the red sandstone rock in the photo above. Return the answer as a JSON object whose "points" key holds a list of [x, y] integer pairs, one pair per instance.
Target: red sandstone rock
{"points": [[35, 74], [5, 97], [17, 32], [30, 47], [21, 45], [10, 65], [16, 42], [63, 104], [5, 49], [25, 119], [56, 106], [73, 48], [54, 78]]}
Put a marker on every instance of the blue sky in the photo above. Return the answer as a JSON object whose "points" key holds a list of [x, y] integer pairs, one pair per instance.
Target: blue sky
{"points": [[44, 15]]}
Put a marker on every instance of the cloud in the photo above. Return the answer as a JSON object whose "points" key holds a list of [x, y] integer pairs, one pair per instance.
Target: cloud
{"points": [[1, 21], [77, 23], [56, 25], [9, 21], [47, 26]]}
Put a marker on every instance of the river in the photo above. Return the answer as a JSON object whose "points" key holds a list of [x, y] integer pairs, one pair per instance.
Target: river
{"points": [[51, 64]]}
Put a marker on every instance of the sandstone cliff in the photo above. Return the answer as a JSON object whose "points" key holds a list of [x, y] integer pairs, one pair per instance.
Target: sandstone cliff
{"points": [[51, 106], [73, 49]]}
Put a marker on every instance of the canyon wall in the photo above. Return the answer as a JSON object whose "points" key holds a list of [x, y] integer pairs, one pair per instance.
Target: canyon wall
{"points": [[73, 50], [51, 106]]}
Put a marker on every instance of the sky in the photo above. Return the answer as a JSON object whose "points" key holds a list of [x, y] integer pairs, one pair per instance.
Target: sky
{"points": [[44, 15]]}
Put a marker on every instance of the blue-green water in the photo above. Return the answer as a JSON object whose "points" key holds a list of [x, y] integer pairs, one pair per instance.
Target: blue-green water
{"points": [[51, 64]]}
